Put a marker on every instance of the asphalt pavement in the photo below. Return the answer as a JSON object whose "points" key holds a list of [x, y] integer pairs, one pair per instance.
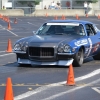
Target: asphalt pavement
{"points": [[44, 82]]}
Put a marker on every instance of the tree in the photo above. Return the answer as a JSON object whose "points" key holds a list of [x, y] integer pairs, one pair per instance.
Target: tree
{"points": [[30, 3]]}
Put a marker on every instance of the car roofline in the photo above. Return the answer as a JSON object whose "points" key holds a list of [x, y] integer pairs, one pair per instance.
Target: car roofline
{"points": [[69, 21]]}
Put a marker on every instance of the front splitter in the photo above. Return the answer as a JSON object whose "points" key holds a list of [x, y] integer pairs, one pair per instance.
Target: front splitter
{"points": [[60, 62]]}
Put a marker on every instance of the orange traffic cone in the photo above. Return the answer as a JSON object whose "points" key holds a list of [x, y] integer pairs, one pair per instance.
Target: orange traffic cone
{"points": [[3, 17], [56, 18], [8, 20], [62, 17], [9, 91], [9, 47], [46, 15], [70, 79], [9, 26], [87, 15], [98, 16], [77, 17], [0, 16], [15, 21]]}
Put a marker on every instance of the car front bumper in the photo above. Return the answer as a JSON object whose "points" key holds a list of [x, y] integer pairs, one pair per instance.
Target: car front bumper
{"points": [[59, 62]]}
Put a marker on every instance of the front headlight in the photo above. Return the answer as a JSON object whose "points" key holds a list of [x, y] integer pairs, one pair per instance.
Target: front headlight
{"points": [[67, 48], [64, 48], [17, 47], [22, 46], [61, 48]]}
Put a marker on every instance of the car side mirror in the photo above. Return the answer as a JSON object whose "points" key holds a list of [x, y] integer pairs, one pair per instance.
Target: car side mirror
{"points": [[34, 32]]}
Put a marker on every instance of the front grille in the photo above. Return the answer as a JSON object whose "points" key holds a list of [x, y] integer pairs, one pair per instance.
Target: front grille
{"points": [[41, 51]]}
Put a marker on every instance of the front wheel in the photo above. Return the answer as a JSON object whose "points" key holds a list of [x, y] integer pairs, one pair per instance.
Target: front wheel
{"points": [[78, 58]]}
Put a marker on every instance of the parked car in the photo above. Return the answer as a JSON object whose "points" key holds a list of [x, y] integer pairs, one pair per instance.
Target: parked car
{"points": [[60, 42]]}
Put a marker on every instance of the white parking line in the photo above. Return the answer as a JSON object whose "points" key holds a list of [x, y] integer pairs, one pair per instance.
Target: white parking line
{"points": [[96, 89], [11, 21], [43, 19], [41, 89], [32, 24], [8, 30], [65, 92], [6, 54], [19, 19], [12, 32], [2, 51]]}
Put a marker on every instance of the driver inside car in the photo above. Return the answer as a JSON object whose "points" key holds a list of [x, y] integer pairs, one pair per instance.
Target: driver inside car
{"points": [[79, 30]]}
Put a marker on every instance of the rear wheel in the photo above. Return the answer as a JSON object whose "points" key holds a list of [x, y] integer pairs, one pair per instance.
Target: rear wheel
{"points": [[78, 58]]}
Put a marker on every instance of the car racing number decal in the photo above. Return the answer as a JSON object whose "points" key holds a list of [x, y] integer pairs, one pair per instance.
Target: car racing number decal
{"points": [[90, 48], [81, 42]]}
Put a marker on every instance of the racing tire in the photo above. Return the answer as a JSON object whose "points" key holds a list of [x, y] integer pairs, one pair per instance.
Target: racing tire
{"points": [[97, 56], [78, 58]]}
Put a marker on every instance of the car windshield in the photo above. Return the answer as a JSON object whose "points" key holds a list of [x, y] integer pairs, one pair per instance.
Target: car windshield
{"points": [[61, 29]]}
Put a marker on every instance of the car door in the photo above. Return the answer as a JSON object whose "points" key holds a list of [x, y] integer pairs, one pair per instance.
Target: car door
{"points": [[93, 39]]}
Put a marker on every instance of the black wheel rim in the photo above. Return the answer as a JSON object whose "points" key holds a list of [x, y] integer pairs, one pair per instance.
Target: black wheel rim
{"points": [[80, 57]]}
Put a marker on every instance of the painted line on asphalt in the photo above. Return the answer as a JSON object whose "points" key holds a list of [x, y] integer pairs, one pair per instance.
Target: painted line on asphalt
{"points": [[19, 19], [40, 89], [3, 42], [96, 89], [6, 54], [8, 30], [12, 32], [11, 21], [44, 19], [32, 24], [69, 91], [38, 85], [2, 51]]}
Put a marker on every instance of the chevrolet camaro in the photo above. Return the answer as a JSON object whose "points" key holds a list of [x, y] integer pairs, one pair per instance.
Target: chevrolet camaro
{"points": [[59, 42]]}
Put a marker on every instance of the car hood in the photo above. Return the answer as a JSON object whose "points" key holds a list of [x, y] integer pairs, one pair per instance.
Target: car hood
{"points": [[52, 39]]}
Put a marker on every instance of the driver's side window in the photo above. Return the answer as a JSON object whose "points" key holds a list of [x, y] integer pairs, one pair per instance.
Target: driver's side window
{"points": [[90, 30]]}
